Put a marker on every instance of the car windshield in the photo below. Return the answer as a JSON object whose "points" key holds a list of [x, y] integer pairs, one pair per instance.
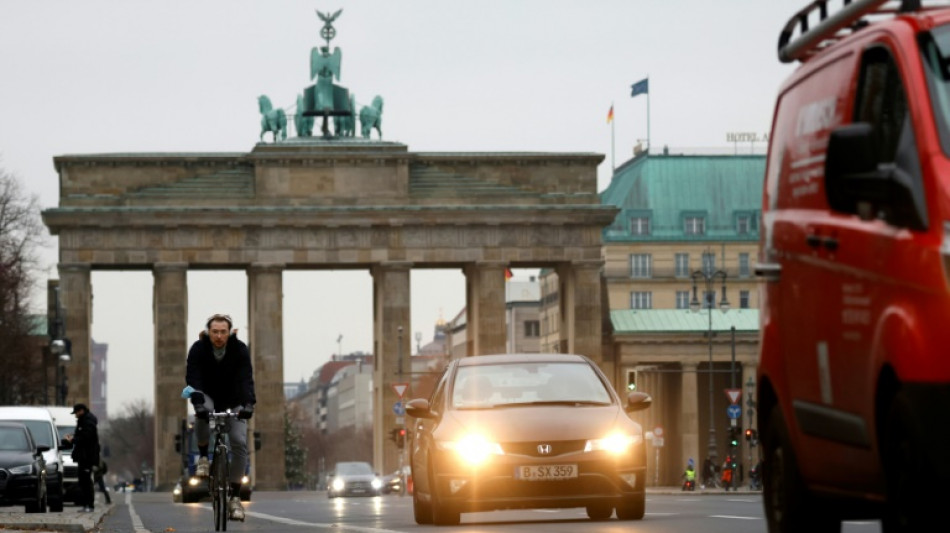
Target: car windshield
{"points": [[41, 430], [13, 439], [512, 384], [354, 469]]}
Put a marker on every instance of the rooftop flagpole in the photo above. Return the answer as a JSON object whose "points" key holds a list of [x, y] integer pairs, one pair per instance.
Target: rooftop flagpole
{"points": [[613, 147], [643, 87]]}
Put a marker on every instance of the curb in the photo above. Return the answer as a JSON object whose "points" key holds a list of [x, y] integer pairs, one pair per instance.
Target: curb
{"points": [[70, 520]]}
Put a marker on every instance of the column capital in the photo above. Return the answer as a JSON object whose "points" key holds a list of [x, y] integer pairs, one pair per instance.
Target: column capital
{"points": [[74, 267], [391, 266], [170, 266], [266, 267]]}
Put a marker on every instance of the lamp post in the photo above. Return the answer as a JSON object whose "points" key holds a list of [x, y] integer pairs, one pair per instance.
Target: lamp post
{"points": [[60, 348], [418, 342], [709, 279]]}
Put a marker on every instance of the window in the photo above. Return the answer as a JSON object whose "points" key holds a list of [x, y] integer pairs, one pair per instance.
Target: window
{"points": [[695, 226], [532, 328], [743, 224], [641, 265], [639, 226], [641, 300], [743, 265], [709, 263], [682, 265], [743, 299], [682, 299]]}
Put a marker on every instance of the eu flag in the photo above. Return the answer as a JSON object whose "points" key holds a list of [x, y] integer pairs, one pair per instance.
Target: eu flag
{"points": [[641, 87]]}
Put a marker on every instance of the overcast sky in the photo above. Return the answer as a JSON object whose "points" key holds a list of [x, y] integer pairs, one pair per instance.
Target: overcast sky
{"points": [[459, 76]]}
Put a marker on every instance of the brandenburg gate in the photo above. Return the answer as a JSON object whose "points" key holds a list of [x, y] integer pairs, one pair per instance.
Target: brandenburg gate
{"points": [[309, 204]]}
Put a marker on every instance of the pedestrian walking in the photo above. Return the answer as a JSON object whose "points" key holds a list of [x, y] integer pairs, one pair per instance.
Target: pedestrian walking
{"points": [[85, 444]]}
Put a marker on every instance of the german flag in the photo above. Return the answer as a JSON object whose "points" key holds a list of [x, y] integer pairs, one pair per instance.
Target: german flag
{"points": [[508, 274], [610, 114]]}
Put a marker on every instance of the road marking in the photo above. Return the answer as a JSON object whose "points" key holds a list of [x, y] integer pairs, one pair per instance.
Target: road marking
{"points": [[335, 527], [136, 521], [736, 517]]}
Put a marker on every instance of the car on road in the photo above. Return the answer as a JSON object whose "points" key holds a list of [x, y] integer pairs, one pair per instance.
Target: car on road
{"points": [[523, 431], [393, 483], [353, 478], [22, 468], [42, 426]]}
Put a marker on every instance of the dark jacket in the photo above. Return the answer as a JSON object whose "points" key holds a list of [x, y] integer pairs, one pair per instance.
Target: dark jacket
{"points": [[229, 383], [86, 440]]}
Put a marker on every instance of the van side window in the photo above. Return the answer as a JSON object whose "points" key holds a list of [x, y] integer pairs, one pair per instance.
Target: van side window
{"points": [[881, 100]]}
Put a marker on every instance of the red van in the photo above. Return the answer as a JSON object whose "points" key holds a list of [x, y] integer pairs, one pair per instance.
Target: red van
{"points": [[854, 370]]}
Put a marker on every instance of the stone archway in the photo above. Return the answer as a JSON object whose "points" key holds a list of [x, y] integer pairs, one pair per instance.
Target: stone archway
{"points": [[322, 204]]}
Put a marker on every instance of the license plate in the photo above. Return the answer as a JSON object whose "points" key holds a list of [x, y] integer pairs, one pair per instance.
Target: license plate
{"points": [[546, 472]]}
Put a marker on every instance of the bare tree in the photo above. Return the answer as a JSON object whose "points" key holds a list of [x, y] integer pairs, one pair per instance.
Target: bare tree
{"points": [[130, 440], [21, 235]]}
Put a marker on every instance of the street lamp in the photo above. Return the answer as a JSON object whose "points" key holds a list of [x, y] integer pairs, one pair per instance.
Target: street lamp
{"points": [[418, 342], [709, 279], [60, 348]]}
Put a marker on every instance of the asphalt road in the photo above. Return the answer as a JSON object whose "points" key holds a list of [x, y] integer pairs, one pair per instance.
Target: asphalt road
{"points": [[668, 511]]}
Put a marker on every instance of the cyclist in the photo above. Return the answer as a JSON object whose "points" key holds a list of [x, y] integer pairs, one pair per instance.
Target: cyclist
{"points": [[219, 370]]}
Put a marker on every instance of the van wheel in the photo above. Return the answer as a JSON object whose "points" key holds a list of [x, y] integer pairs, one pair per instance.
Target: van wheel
{"points": [[599, 511], [909, 507], [421, 510], [789, 507]]}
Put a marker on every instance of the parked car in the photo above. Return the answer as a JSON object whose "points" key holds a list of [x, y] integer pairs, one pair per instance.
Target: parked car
{"points": [[22, 468], [526, 431], [353, 478], [65, 424], [853, 375], [43, 428]]}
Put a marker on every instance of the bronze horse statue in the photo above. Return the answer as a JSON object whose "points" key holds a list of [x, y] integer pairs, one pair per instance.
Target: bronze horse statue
{"points": [[371, 117], [272, 120]]}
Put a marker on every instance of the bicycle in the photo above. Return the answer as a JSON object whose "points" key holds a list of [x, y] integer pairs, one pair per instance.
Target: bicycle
{"points": [[219, 484]]}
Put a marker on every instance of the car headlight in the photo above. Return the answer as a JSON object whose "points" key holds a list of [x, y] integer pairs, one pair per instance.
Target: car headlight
{"points": [[20, 470], [193, 481], [177, 490], [376, 483], [615, 443], [473, 448], [52, 468], [337, 484], [245, 480]]}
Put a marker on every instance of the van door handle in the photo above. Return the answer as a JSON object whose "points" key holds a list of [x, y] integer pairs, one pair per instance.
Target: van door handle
{"points": [[831, 244], [813, 240]]}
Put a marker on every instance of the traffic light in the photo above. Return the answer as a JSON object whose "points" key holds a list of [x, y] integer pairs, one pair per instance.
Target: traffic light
{"points": [[631, 380], [400, 437], [394, 435], [178, 442], [749, 434], [733, 437], [257, 441]]}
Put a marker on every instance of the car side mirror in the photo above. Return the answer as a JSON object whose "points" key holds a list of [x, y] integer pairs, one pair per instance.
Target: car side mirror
{"points": [[638, 401], [419, 408], [856, 183], [42, 448], [65, 444]]}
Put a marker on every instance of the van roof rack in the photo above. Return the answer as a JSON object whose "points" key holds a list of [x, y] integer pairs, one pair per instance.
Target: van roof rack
{"points": [[852, 16]]}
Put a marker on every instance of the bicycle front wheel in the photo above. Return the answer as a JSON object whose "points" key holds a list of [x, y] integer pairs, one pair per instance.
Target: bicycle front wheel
{"points": [[221, 472]]}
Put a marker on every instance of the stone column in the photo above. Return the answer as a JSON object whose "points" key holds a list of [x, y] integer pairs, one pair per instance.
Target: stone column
{"points": [[485, 305], [392, 347], [75, 292], [581, 311], [266, 342], [689, 416], [170, 323]]}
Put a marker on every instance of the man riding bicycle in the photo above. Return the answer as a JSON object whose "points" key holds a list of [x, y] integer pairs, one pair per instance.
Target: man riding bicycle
{"points": [[219, 370]]}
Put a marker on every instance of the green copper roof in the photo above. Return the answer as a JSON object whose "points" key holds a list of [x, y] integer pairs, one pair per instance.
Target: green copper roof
{"points": [[667, 188], [633, 321]]}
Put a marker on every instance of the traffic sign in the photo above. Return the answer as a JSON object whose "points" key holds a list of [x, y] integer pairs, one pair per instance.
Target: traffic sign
{"points": [[658, 442], [734, 395], [400, 389], [733, 411], [658, 431], [399, 409]]}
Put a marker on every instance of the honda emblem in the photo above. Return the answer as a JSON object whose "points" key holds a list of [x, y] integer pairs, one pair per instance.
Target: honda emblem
{"points": [[544, 449]]}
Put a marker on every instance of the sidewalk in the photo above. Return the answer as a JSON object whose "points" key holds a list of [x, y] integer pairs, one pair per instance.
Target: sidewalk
{"points": [[70, 520]]}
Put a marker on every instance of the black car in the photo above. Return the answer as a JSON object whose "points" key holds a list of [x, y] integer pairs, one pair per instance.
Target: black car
{"points": [[22, 468]]}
